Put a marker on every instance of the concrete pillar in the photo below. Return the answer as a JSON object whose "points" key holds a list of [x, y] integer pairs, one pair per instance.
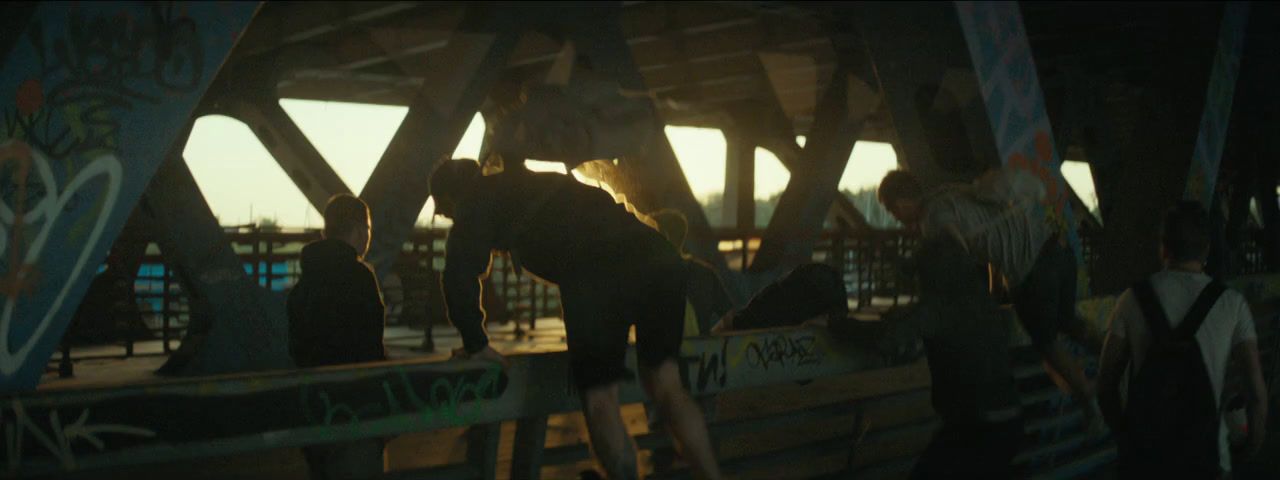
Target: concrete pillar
{"points": [[1151, 171]]}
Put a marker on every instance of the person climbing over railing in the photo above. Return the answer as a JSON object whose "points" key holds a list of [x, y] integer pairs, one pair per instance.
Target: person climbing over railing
{"points": [[613, 272], [995, 219]]}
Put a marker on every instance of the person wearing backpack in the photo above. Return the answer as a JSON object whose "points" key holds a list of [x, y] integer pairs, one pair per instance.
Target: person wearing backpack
{"points": [[1176, 333]]}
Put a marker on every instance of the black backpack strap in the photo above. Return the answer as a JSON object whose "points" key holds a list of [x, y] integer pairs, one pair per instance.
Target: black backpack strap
{"points": [[1200, 310], [1149, 303]]}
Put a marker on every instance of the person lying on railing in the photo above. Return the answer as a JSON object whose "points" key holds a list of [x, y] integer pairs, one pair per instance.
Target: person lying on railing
{"points": [[336, 316], [966, 339], [812, 294], [996, 220], [613, 272]]}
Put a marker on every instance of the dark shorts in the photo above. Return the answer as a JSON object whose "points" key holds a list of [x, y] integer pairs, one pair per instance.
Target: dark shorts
{"points": [[599, 310], [1046, 299]]}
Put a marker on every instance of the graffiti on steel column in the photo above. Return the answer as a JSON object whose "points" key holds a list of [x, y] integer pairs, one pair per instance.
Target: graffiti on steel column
{"points": [[1010, 87], [40, 216], [1217, 106], [92, 96]]}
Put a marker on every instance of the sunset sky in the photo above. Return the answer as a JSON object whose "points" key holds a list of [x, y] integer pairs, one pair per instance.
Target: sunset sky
{"points": [[242, 183]]}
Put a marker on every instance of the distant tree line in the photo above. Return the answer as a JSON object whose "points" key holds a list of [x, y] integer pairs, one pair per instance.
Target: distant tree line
{"points": [[865, 200]]}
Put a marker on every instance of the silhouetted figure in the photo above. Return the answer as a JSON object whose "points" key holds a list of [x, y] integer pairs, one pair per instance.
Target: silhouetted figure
{"points": [[966, 338], [613, 272], [1176, 333], [995, 219], [336, 316]]}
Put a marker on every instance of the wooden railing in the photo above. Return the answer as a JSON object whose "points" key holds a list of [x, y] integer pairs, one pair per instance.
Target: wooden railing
{"points": [[870, 407]]}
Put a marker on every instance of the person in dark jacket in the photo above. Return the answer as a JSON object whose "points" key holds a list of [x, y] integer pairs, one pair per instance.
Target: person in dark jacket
{"points": [[336, 317], [613, 272], [966, 338]]}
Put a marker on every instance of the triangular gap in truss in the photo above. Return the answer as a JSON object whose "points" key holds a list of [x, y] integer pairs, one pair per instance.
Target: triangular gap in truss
{"points": [[240, 180], [353, 136], [771, 179], [350, 136], [701, 154], [1079, 177], [867, 165]]}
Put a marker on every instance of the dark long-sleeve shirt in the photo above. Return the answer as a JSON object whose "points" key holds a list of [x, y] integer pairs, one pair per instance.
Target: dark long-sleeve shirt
{"points": [[336, 314], [553, 226], [965, 335]]}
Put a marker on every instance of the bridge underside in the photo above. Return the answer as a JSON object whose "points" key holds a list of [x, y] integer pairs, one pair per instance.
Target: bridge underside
{"points": [[1164, 102]]}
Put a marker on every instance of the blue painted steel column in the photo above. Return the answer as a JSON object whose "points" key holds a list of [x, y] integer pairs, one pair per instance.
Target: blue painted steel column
{"points": [[1010, 87], [1203, 176], [95, 94]]}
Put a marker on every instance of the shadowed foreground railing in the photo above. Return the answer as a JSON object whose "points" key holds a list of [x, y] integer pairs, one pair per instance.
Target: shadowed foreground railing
{"points": [[59, 431]]}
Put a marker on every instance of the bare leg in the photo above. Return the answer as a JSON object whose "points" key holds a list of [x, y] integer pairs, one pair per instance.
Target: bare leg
{"points": [[609, 439], [682, 417]]}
